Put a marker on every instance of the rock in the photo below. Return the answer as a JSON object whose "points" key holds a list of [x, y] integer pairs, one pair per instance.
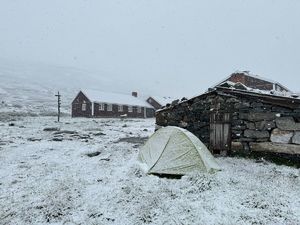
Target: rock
{"points": [[287, 123], [296, 138], [183, 124], [184, 99], [65, 132], [281, 136], [257, 116], [239, 127], [242, 105], [236, 146], [257, 105], [99, 134], [250, 125], [133, 140], [93, 154], [84, 136], [275, 148], [265, 125], [11, 124], [51, 129], [105, 159], [262, 139], [242, 139], [57, 139], [175, 102], [236, 133], [34, 139], [256, 134]]}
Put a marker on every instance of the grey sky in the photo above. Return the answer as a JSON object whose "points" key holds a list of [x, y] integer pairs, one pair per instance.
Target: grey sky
{"points": [[163, 46]]}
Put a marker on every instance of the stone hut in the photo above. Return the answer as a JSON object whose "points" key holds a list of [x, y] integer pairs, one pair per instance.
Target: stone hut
{"points": [[232, 121]]}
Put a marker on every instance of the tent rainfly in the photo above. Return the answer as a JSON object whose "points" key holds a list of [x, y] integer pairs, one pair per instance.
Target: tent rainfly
{"points": [[176, 151]]}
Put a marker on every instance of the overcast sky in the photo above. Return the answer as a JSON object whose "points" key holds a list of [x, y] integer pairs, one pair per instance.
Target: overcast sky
{"points": [[165, 46]]}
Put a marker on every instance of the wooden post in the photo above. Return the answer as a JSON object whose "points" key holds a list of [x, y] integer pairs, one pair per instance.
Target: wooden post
{"points": [[58, 106]]}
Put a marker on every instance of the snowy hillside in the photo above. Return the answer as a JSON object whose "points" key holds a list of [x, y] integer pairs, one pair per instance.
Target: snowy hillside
{"points": [[87, 173], [30, 87]]}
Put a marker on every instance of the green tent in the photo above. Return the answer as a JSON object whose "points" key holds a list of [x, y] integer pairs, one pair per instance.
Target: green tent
{"points": [[176, 151]]}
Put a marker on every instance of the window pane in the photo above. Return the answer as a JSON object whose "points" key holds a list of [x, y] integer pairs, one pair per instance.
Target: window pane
{"points": [[83, 107]]}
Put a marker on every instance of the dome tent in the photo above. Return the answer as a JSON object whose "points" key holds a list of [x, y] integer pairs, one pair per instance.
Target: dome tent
{"points": [[176, 151]]}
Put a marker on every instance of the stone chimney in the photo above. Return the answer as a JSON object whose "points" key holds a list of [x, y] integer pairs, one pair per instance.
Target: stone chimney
{"points": [[134, 94]]}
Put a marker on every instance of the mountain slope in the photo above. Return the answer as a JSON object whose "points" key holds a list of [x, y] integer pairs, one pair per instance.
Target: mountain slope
{"points": [[30, 87]]}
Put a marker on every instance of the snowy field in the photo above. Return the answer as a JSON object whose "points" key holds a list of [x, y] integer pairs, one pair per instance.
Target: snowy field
{"points": [[87, 173]]}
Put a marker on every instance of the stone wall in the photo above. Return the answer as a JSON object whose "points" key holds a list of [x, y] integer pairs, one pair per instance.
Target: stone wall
{"points": [[255, 125]]}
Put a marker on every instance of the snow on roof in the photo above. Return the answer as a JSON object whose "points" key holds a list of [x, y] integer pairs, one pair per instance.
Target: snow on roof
{"points": [[247, 73], [162, 100], [115, 98]]}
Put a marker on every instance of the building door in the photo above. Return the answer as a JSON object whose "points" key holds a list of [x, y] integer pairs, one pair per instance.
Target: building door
{"points": [[220, 133]]}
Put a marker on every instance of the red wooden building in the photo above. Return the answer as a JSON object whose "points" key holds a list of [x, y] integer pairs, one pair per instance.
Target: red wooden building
{"points": [[252, 81], [90, 103]]}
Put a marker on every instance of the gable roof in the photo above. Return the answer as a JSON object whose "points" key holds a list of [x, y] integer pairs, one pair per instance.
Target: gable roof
{"points": [[114, 98], [247, 73], [162, 100]]}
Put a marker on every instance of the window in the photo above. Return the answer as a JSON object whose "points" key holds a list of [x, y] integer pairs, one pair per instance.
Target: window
{"points": [[101, 107], [83, 106], [120, 108], [130, 109], [109, 107], [139, 109]]}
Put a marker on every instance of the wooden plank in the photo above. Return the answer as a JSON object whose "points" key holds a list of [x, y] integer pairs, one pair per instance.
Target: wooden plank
{"points": [[275, 148]]}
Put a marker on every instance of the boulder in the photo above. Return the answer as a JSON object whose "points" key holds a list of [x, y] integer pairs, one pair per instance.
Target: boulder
{"points": [[296, 138], [256, 134], [287, 123], [281, 136]]}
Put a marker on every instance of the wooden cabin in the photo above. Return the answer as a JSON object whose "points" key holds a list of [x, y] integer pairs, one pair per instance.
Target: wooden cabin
{"points": [[93, 104]]}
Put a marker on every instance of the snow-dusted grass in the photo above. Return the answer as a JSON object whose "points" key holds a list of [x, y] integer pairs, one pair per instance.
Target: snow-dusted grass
{"points": [[55, 182]]}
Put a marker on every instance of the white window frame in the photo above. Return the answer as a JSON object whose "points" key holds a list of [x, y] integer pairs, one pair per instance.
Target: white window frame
{"points": [[83, 106], [130, 108], [101, 107], [120, 108], [139, 109], [109, 107]]}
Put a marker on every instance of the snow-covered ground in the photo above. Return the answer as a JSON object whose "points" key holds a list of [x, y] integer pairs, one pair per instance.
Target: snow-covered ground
{"points": [[47, 177]]}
